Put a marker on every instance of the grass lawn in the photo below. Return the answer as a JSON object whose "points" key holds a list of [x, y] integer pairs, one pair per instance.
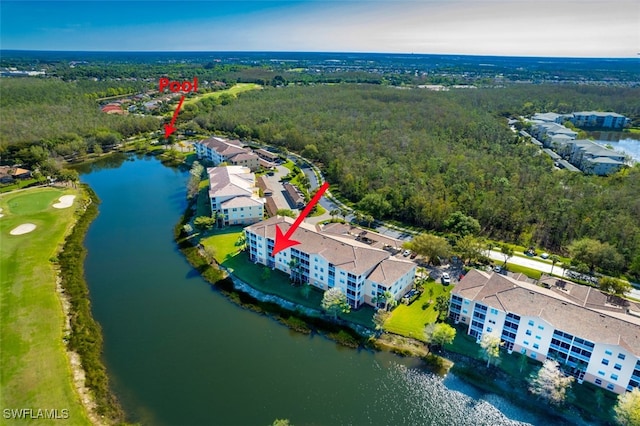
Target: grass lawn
{"points": [[275, 282], [34, 368], [203, 207], [531, 273], [234, 90], [410, 320]]}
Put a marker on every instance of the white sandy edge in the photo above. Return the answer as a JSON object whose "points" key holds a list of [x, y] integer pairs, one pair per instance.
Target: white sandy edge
{"points": [[25, 228], [64, 202], [1, 212]]}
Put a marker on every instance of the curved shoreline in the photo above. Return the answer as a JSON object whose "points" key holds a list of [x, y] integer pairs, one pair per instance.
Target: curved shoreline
{"points": [[83, 336]]}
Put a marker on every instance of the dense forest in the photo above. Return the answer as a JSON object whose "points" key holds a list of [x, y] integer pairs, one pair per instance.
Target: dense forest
{"points": [[418, 156], [397, 151]]}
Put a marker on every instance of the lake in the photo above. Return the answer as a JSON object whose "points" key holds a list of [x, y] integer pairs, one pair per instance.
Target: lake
{"points": [[179, 353]]}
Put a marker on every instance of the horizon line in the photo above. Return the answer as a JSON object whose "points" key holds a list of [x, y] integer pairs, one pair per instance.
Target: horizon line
{"points": [[637, 56]]}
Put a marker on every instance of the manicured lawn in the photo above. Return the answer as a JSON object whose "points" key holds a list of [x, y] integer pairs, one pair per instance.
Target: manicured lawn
{"points": [[410, 320], [234, 90], [275, 282], [203, 207], [34, 368], [531, 273]]}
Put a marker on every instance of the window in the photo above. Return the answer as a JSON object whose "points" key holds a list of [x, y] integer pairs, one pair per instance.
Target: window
{"points": [[541, 327], [530, 322], [489, 329], [610, 386], [607, 352], [523, 351], [528, 332], [621, 356], [618, 367], [494, 311], [614, 376], [464, 311], [466, 302], [598, 382], [533, 355], [538, 338], [536, 346], [526, 343], [601, 373], [605, 361]]}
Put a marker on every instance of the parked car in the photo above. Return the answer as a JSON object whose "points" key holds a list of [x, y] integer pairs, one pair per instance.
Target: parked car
{"points": [[446, 279], [406, 253], [544, 255], [497, 269]]}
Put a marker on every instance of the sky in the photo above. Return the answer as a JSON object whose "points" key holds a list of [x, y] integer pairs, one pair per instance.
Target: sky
{"points": [[565, 28]]}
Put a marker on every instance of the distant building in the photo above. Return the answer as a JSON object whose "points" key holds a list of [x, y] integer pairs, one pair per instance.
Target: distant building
{"points": [[9, 174], [596, 337], [296, 199], [326, 259], [219, 150], [592, 158], [233, 193], [597, 119]]}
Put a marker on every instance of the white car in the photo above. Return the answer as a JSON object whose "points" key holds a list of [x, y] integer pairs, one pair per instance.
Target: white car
{"points": [[406, 253], [446, 279], [544, 255]]}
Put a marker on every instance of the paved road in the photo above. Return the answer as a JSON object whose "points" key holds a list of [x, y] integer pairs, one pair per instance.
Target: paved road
{"points": [[527, 262]]}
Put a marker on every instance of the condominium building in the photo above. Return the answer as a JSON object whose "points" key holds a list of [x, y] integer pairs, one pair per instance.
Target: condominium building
{"points": [[234, 195], [608, 120], [326, 258], [219, 150], [596, 337]]}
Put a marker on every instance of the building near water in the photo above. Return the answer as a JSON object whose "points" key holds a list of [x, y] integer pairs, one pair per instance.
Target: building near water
{"points": [[329, 257], [594, 336], [234, 195]]}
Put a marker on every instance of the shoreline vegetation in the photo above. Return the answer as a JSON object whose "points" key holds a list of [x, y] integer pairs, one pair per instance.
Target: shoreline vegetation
{"points": [[84, 335]]}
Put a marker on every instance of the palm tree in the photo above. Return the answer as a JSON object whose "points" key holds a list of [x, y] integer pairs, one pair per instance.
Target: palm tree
{"points": [[554, 258], [368, 219], [358, 216], [334, 213], [294, 267], [344, 213], [389, 300]]}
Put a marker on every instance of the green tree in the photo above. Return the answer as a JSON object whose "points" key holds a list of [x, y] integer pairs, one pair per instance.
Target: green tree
{"points": [[614, 286], [549, 383], [286, 212], [282, 422], [368, 219], [439, 334], [266, 274], [595, 253], [379, 318], [68, 175], [375, 204], [389, 300], [461, 224], [429, 246], [334, 213], [442, 306], [203, 223], [554, 258], [468, 248], [490, 344], [507, 252], [628, 408], [310, 151], [334, 302], [305, 290]]}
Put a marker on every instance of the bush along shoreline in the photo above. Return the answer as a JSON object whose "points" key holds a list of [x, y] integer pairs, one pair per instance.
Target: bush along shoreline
{"points": [[303, 320], [85, 335]]}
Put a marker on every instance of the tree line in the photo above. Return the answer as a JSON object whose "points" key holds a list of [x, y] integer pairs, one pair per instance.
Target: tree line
{"points": [[419, 156]]}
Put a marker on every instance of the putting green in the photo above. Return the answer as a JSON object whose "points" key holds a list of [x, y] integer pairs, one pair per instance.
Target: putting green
{"points": [[35, 372]]}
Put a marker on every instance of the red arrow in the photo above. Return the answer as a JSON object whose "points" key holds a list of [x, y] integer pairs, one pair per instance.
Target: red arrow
{"points": [[283, 241], [170, 128]]}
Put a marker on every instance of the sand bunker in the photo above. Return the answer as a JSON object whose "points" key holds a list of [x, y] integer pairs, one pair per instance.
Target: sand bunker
{"points": [[64, 202], [25, 228]]}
